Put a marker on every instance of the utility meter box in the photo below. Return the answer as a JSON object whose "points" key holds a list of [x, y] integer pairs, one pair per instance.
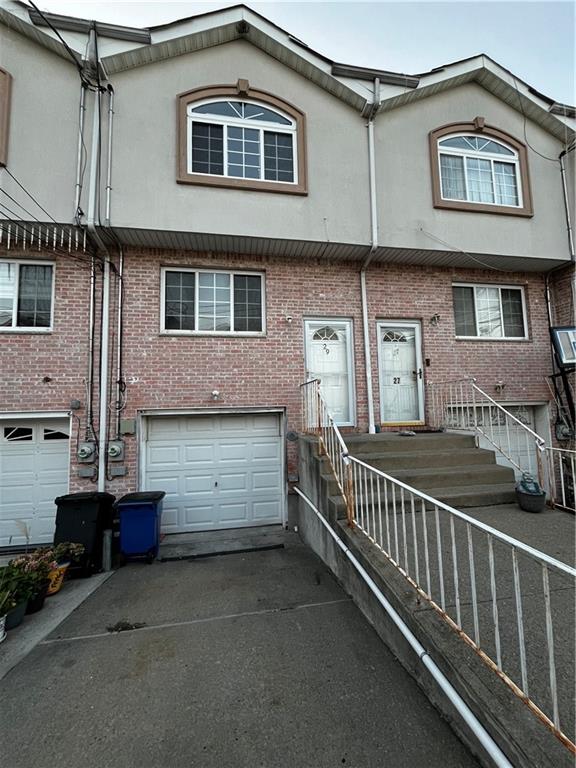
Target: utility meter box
{"points": [[87, 452], [116, 450]]}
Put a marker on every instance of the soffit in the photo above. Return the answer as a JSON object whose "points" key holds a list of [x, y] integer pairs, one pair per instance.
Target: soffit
{"points": [[322, 251]]}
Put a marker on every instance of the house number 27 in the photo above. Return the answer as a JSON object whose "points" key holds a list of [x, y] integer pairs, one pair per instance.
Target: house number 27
{"points": [[396, 379]]}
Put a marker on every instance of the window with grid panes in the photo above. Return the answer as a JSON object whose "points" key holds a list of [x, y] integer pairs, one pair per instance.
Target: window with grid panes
{"points": [[25, 295], [489, 311], [200, 301], [242, 140], [479, 169]]}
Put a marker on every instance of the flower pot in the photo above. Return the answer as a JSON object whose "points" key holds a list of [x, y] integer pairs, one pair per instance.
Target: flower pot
{"points": [[531, 502], [36, 602], [56, 578], [15, 617], [2, 628]]}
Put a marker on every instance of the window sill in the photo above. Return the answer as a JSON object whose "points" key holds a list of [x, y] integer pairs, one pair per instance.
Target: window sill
{"points": [[503, 210], [214, 334], [516, 340], [35, 331], [252, 184]]}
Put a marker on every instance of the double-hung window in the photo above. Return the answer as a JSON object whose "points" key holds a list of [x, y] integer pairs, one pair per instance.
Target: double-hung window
{"points": [[212, 302], [26, 296], [480, 169], [241, 138], [489, 311]]}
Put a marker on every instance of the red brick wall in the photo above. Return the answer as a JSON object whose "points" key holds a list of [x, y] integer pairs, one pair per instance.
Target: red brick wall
{"points": [[181, 372], [562, 288]]}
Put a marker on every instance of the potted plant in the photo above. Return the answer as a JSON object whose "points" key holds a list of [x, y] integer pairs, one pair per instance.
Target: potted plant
{"points": [[7, 601], [18, 585], [63, 554], [33, 571]]}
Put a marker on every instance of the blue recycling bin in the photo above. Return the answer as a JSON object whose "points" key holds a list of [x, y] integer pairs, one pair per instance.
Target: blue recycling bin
{"points": [[140, 517]]}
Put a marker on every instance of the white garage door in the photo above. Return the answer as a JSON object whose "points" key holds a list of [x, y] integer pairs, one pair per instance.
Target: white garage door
{"points": [[218, 471], [34, 459]]}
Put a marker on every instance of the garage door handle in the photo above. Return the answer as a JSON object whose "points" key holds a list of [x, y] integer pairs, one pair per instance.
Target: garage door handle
{"points": [[216, 485]]}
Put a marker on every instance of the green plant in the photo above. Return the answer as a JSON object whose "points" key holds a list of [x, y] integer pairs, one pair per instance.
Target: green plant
{"points": [[67, 551], [30, 572], [7, 591]]}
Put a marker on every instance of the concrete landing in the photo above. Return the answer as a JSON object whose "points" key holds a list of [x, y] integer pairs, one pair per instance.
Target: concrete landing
{"points": [[184, 546]]}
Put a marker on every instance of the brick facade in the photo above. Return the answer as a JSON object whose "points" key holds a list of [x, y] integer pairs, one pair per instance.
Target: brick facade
{"points": [[179, 372]]}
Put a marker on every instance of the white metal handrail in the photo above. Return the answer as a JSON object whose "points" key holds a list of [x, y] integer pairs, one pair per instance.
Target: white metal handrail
{"points": [[562, 477], [461, 405], [317, 420], [444, 554]]}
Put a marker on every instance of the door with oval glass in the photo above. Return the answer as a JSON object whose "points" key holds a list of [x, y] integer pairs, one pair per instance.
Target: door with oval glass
{"points": [[329, 358], [401, 375]]}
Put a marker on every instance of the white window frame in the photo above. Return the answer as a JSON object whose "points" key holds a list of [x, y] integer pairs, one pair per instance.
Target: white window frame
{"points": [[232, 273], [259, 125], [492, 157], [500, 288], [29, 328]]}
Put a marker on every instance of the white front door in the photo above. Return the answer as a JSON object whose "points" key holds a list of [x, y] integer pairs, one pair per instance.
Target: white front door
{"points": [[401, 376], [329, 358]]}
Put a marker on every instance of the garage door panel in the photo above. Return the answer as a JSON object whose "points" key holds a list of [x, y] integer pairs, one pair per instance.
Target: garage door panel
{"points": [[199, 517], [199, 455], [229, 466], [267, 509], [234, 513], [163, 455], [198, 484], [269, 480], [266, 451], [234, 452], [232, 482]]}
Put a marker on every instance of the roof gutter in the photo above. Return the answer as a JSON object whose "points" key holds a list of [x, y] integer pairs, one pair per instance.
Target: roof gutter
{"points": [[373, 248]]}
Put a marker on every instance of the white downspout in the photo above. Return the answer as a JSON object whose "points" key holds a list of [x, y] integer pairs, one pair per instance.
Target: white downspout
{"points": [[93, 220], [484, 738], [566, 204], [373, 247]]}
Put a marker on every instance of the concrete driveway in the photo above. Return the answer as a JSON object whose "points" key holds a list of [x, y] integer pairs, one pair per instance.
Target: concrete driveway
{"points": [[254, 659]]}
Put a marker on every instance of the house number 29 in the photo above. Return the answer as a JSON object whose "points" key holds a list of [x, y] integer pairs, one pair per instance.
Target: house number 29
{"points": [[396, 379]]}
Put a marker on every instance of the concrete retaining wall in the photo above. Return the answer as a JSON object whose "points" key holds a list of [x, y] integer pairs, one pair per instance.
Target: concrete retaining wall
{"points": [[521, 736]]}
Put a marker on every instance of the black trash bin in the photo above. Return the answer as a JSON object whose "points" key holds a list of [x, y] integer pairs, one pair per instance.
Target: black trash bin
{"points": [[82, 518], [140, 518]]}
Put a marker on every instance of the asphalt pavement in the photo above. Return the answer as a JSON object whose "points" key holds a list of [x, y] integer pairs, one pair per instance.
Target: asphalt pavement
{"points": [[251, 659]]}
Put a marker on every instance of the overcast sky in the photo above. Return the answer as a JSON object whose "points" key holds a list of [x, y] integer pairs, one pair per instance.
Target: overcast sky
{"points": [[535, 40]]}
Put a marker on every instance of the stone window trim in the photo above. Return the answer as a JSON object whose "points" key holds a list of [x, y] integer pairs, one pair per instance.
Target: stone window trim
{"points": [[5, 94], [479, 127], [241, 89]]}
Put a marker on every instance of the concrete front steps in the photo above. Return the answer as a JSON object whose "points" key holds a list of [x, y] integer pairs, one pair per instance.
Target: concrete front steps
{"points": [[446, 466]]}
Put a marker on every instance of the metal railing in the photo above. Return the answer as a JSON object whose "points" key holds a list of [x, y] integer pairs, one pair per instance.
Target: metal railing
{"points": [[317, 420], [562, 477], [462, 406], [479, 580]]}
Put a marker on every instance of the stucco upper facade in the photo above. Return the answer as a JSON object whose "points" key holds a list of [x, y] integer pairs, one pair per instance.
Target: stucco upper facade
{"points": [[338, 207]]}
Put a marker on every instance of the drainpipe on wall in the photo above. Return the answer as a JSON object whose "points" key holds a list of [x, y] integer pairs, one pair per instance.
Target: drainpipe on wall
{"points": [[566, 203], [93, 221], [373, 247], [109, 161]]}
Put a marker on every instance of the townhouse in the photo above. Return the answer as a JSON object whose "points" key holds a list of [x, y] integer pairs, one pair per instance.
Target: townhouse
{"points": [[197, 218]]}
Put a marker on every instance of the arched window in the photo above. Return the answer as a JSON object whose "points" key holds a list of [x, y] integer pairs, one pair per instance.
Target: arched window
{"points": [[476, 167], [237, 136]]}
